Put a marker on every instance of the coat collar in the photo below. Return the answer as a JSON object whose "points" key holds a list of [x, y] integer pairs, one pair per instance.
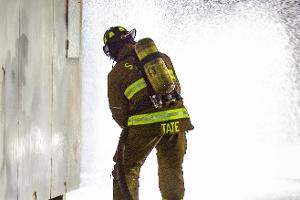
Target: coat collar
{"points": [[126, 51]]}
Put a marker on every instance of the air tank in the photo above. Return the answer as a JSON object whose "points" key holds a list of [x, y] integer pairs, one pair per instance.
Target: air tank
{"points": [[154, 67]]}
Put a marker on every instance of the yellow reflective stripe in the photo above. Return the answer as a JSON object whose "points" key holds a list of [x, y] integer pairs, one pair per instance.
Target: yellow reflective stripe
{"points": [[160, 116], [105, 40], [134, 88]]}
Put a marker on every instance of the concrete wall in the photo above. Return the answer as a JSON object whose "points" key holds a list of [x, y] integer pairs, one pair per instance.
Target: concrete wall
{"points": [[39, 101]]}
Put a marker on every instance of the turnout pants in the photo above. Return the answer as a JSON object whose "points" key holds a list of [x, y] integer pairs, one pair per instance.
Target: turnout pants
{"points": [[170, 149]]}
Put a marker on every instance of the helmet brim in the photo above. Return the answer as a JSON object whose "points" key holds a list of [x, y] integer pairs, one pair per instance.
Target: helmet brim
{"points": [[131, 33], [106, 50]]}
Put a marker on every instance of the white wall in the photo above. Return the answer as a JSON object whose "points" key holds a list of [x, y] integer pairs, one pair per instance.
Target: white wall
{"points": [[39, 102]]}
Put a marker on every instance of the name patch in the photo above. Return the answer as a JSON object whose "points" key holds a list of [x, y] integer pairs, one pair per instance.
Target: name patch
{"points": [[170, 127]]}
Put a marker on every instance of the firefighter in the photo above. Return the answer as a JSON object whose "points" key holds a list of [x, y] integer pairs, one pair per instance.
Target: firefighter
{"points": [[147, 125]]}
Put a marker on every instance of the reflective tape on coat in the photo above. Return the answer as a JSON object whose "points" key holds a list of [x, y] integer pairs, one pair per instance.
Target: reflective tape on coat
{"points": [[134, 88], [140, 84], [161, 116]]}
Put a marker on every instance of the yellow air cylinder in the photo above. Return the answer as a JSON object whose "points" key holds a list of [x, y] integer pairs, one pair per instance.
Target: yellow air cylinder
{"points": [[155, 69]]}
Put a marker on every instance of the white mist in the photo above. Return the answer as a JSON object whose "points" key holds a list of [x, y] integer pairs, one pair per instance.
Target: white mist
{"points": [[234, 64]]}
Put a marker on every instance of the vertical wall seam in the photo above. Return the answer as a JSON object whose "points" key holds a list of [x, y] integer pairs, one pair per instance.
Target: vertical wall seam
{"points": [[52, 93], [80, 88], [67, 28], [19, 104]]}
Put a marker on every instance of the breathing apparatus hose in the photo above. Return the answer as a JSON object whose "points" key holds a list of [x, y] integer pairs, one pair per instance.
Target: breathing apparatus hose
{"points": [[120, 165]]}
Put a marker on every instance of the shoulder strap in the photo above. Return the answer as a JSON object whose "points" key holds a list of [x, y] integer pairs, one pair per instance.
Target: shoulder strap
{"points": [[151, 57], [140, 67]]}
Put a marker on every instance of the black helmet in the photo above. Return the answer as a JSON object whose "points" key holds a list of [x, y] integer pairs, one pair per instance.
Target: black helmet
{"points": [[115, 38]]}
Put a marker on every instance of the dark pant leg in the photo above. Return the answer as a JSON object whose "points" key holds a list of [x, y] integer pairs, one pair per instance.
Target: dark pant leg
{"points": [[170, 153], [138, 145]]}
